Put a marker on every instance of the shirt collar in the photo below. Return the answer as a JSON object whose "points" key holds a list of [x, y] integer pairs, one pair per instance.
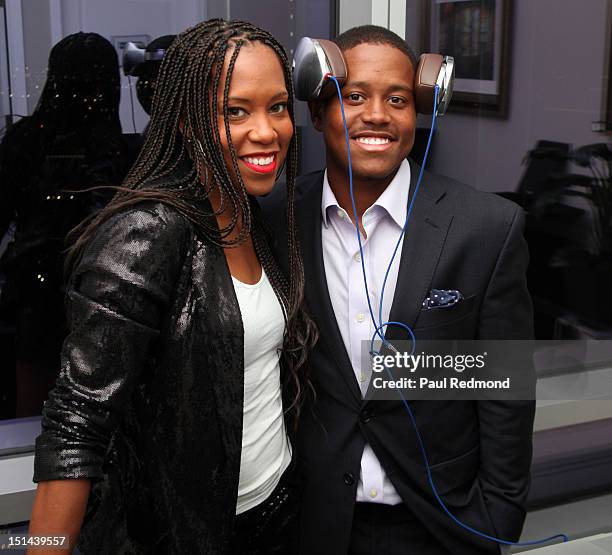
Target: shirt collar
{"points": [[328, 199], [394, 199]]}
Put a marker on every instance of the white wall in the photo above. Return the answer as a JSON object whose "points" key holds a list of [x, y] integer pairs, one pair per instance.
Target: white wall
{"points": [[15, 59], [353, 13], [556, 86], [36, 44], [4, 75], [390, 14], [131, 17], [47, 21]]}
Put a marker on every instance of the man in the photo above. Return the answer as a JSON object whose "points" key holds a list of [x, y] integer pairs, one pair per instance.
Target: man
{"points": [[366, 490]]}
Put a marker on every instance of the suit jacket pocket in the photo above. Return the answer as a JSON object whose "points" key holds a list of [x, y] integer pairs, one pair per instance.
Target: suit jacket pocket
{"points": [[442, 316], [455, 472]]}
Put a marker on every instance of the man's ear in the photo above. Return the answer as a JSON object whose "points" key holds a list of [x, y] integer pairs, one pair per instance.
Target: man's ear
{"points": [[316, 114]]}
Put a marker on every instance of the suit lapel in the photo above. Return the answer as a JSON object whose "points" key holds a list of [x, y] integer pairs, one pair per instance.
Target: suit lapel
{"points": [[421, 250], [423, 243], [316, 291]]}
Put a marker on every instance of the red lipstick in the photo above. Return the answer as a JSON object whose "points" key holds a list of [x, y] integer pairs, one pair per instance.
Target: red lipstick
{"points": [[261, 168]]}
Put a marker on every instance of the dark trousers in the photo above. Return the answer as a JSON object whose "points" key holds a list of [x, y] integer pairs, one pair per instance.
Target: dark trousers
{"points": [[272, 527], [390, 530]]}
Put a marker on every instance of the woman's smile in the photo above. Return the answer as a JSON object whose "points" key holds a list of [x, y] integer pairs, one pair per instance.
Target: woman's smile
{"points": [[261, 162]]}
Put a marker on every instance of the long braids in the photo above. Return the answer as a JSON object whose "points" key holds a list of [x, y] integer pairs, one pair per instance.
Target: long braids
{"points": [[193, 64]]}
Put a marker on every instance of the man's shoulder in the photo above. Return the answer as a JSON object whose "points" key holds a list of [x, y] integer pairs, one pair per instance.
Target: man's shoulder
{"points": [[480, 206]]}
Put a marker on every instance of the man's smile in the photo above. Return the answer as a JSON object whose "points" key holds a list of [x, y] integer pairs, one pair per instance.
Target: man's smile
{"points": [[373, 141]]}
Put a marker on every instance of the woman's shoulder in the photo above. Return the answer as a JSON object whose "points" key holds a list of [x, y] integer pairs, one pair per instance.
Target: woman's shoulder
{"points": [[140, 235], [150, 216]]}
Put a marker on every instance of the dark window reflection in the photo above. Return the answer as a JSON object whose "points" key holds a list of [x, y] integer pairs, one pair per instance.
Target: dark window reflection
{"points": [[567, 193], [49, 163]]}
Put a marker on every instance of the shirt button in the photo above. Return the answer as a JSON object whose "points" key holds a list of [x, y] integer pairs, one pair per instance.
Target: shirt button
{"points": [[360, 317], [341, 213], [357, 257], [373, 493], [362, 377]]}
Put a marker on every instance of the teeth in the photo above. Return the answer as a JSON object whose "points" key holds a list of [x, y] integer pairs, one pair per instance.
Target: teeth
{"points": [[372, 140], [260, 161]]}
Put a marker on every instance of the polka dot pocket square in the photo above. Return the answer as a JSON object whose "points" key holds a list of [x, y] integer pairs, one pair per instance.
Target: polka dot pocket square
{"points": [[442, 298]]}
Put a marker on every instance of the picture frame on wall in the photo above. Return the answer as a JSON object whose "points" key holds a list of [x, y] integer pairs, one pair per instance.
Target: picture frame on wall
{"points": [[477, 33]]}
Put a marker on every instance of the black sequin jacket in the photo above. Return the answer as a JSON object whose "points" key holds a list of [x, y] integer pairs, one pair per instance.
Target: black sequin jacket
{"points": [[149, 401]]}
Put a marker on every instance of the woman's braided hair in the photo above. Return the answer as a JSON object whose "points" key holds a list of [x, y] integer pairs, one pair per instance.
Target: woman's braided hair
{"points": [[192, 66]]}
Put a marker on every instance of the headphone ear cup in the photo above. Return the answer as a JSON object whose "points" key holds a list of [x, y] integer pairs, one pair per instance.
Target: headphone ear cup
{"points": [[425, 80], [314, 59], [132, 58], [335, 59]]}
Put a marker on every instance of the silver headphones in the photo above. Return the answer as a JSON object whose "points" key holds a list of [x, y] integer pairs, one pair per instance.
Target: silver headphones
{"points": [[316, 59]]}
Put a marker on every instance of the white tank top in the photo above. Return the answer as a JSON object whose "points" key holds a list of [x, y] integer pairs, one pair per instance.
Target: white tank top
{"points": [[266, 452]]}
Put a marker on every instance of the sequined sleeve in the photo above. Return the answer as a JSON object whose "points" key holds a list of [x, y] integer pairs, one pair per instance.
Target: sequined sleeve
{"points": [[121, 288]]}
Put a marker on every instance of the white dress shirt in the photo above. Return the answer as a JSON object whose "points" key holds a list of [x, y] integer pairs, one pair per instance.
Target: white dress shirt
{"points": [[383, 223]]}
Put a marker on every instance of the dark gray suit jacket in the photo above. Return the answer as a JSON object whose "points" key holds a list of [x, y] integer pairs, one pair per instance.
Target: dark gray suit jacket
{"points": [[480, 452]]}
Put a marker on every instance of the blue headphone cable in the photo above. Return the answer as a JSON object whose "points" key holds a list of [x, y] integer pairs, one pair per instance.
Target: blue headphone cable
{"points": [[378, 331]]}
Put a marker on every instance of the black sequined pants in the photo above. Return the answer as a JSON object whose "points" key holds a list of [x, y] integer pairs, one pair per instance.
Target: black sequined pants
{"points": [[271, 527]]}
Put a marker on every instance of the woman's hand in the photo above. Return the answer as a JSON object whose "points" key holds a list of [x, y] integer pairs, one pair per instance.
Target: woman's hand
{"points": [[59, 508]]}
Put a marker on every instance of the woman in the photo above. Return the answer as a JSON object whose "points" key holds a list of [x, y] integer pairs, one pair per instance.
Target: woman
{"points": [[169, 401], [72, 141]]}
